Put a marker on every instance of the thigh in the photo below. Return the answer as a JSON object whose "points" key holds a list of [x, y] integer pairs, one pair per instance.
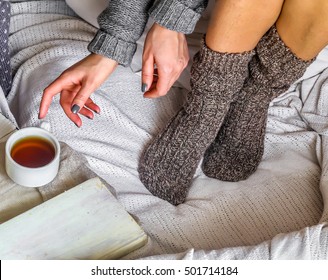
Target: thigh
{"points": [[238, 25], [303, 26]]}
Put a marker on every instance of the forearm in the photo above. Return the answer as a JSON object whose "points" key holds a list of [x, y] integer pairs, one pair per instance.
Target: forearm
{"points": [[178, 15], [121, 25]]}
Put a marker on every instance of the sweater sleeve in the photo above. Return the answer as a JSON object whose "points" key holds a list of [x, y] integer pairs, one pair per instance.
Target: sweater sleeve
{"points": [[121, 25], [178, 15]]}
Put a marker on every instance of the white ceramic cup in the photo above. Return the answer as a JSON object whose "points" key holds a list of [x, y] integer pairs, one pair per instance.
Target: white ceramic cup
{"points": [[31, 176]]}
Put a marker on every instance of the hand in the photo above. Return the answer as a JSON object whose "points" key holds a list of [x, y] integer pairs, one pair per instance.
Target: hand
{"points": [[75, 86], [168, 51]]}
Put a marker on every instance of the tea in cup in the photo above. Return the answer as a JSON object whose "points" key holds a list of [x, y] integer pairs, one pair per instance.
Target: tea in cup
{"points": [[32, 157]]}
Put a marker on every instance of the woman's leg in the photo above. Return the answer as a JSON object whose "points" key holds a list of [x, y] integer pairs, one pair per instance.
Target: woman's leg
{"points": [[237, 26], [282, 57], [303, 26], [218, 73]]}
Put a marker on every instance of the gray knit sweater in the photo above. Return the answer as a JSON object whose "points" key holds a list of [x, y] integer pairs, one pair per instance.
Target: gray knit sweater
{"points": [[123, 22]]}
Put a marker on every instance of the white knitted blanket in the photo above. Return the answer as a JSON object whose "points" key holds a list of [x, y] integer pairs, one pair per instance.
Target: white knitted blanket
{"points": [[279, 212]]}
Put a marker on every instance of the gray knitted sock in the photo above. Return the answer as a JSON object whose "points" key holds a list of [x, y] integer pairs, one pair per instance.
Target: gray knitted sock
{"points": [[238, 148], [168, 164], [5, 70]]}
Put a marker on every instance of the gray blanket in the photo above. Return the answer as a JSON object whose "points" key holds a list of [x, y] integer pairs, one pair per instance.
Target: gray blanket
{"points": [[282, 206]]}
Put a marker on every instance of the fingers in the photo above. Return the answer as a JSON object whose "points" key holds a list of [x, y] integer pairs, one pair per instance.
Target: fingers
{"points": [[66, 99], [83, 105], [147, 73], [159, 80], [81, 97], [166, 77], [92, 106], [73, 99], [161, 84], [54, 88], [167, 49], [76, 84]]}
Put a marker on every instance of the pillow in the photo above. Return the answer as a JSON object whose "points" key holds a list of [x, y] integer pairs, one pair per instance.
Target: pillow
{"points": [[88, 9]]}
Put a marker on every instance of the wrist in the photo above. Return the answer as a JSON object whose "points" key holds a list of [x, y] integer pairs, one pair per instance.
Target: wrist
{"points": [[102, 60], [160, 28], [175, 15], [112, 47]]}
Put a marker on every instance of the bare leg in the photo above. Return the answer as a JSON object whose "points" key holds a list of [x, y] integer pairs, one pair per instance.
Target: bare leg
{"points": [[237, 26], [303, 26], [282, 57]]}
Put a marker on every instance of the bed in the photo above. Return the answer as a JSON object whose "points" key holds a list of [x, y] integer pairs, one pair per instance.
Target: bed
{"points": [[280, 212]]}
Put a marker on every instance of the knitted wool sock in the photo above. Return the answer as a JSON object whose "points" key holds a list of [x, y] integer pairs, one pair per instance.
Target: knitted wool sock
{"points": [[5, 71], [168, 164], [238, 148]]}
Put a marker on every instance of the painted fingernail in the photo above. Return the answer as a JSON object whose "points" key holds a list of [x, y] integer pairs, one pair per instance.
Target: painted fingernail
{"points": [[75, 108], [143, 87]]}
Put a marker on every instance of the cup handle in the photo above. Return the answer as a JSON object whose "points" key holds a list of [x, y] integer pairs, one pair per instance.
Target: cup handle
{"points": [[45, 125]]}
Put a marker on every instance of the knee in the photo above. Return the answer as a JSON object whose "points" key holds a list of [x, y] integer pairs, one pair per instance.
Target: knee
{"points": [[309, 12], [268, 8], [303, 25]]}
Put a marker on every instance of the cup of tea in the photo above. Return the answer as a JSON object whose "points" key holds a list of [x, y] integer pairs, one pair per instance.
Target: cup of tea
{"points": [[32, 157]]}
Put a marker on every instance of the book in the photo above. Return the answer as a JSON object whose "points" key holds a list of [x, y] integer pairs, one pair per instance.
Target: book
{"points": [[86, 222]]}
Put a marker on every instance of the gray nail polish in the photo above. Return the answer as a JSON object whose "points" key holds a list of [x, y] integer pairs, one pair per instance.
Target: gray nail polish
{"points": [[143, 87], [75, 108]]}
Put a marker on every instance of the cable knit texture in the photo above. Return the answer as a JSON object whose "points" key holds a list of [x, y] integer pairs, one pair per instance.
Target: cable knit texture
{"points": [[178, 15], [121, 25], [238, 148], [169, 162], [5, 70], [123, 22]]}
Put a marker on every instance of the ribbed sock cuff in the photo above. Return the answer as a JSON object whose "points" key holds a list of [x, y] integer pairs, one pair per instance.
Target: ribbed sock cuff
{"points": [[271, 48], [222, 61]]}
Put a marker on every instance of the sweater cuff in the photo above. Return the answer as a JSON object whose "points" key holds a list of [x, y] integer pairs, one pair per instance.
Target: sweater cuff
{"points": [[174, 15], [112, 47]]}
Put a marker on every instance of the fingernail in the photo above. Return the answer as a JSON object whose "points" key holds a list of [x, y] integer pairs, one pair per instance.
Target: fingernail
{"points": [[90, 118], [76, 124], [75, 108], [143, 87]]}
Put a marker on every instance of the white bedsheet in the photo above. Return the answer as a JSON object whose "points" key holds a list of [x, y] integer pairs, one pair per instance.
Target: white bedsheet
{"points": [[279, 212]]}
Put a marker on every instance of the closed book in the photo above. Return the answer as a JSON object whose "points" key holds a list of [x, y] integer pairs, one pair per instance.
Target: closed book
{"points": [[85, 222]]}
